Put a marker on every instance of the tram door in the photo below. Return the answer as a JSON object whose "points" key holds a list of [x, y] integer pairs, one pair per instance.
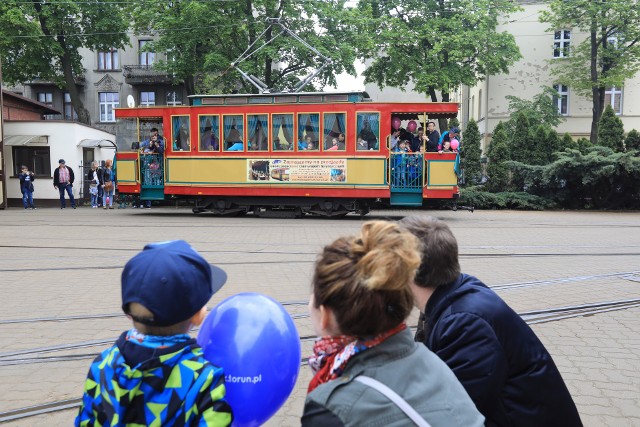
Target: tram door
{"points": [[406, 178], [151, 177], [152, 164]]}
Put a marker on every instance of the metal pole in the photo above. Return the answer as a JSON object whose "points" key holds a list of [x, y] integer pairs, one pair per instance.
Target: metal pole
{"points": [[3, 180]]}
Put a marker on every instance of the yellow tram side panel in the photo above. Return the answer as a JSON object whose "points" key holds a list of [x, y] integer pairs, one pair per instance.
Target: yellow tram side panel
{"points": [[441, 174], [127, 172], [185, 171]]}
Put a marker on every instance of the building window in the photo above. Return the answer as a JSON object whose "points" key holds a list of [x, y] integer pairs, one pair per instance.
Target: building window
{"points": [[36, 158], [561, 43], [108, 60], [561, 99], [45, 98], [174, 98], [108, 101], [479, 104], [613, 97], [69, 111], [147, 99], [145, 57]]}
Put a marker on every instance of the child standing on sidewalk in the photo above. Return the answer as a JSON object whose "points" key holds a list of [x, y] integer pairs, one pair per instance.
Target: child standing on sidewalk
{"points": [[26, 187], [156, 374]]}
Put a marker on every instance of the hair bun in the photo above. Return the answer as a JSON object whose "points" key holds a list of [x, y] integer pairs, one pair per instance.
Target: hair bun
{"points": [[388, 256]]}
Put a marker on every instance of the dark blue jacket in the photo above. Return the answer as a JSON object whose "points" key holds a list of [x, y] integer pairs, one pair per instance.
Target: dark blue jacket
{"points": [[499, 360]]}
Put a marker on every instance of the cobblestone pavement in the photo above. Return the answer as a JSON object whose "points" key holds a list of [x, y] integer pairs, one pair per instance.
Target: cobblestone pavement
{"points": [[57, 263]]}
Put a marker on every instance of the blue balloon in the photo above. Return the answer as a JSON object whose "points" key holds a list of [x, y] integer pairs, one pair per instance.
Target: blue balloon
{"points": [[254, 339]]}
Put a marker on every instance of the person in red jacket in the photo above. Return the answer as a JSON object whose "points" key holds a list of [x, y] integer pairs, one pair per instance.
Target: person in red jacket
{"points": [[499, 360]]}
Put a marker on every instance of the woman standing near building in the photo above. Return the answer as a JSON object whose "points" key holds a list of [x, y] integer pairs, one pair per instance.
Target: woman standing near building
{"points": [[109, 177], [367, 365]]}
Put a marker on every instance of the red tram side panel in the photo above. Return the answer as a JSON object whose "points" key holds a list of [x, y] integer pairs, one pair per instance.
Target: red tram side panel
{"points": [[317, 153]]}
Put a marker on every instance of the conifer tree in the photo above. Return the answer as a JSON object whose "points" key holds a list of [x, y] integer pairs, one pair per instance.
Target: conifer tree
{"points": [[500, 126], [611, 130], [632, 141], [550, 145], [497, 168], [568, 142], [538, 141], [519, 140], [471, 153]]}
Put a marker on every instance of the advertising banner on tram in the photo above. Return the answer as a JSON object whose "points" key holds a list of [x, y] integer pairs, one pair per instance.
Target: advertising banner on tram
{"points": [[297, 170]]}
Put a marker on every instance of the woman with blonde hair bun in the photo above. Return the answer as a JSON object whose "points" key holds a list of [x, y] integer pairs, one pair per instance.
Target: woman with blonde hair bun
{"points": [[367, 368]]}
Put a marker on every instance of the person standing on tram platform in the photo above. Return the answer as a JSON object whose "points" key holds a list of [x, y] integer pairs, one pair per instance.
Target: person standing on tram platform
{"points": [[433, 138]]}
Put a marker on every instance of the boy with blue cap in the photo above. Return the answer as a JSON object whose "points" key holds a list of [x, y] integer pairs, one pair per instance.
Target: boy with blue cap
{"points": [[156, 374]]}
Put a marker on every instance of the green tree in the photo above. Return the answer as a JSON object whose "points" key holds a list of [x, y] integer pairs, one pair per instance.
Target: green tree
{"points": [[541, 110], [537, 141], [551, 145], [42, 39], [435, 45], [584, 144], [500, 126], [568, 142], [471, 153], [611, 130], [497, 169], [519, 139], [608, 56], [204, 38], [454, 122], [632, 141]]}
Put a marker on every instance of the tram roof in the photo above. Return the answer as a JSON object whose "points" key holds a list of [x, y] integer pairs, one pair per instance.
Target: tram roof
{"points": [[280, 98]]}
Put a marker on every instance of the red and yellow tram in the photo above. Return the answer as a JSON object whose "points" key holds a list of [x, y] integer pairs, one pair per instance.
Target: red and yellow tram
{"points": [[321, 153]]}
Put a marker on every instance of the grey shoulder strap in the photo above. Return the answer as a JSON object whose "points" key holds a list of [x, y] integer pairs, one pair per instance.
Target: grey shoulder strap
{"points": [[395, 398]]}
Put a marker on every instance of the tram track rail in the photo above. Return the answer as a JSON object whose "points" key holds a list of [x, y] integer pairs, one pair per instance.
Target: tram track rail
{"points": [[633, 275], [531, 317], [22, 357], [311, 261]]}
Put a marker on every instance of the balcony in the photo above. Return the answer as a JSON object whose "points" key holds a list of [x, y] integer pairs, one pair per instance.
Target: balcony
{"points": [[144, 75], [80, 81]]}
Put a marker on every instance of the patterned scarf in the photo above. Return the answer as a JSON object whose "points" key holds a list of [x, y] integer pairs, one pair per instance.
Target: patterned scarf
{"points": [[331, 354]]}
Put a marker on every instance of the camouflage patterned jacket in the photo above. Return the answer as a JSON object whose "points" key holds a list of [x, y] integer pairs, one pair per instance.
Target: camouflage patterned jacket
{"points": [[129, 384]]}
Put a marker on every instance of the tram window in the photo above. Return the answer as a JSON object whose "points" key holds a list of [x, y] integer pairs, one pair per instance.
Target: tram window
{"points": [[258, 132], [209, 133], [181, 132], [282, 133], [308, 131], [126, 133], [334, 131], [368, 128], [145, 131], [233, 132]]}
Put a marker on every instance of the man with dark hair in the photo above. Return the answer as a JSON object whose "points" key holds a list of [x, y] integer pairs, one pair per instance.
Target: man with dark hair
{"points": [[63, 178], [417, 141], [499, 360], [433, 137]]}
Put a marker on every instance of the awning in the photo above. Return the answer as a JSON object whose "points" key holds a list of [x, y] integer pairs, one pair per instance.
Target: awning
{"points": [[25, 139], [100, 143]]}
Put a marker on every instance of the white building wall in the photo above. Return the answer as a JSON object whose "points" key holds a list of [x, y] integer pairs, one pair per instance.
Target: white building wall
{"points": [[63, 142], [527, 77]]}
